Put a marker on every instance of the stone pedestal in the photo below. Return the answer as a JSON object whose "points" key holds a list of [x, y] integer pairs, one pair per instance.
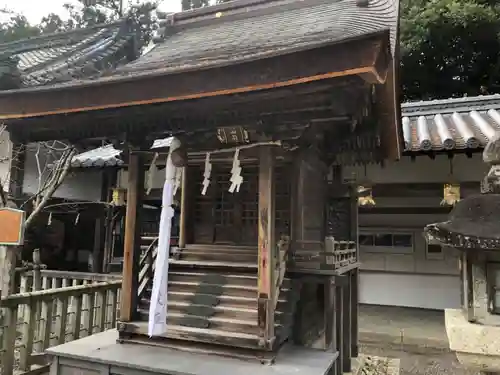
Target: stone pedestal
{"points": [[100, 354], [476, 346]]}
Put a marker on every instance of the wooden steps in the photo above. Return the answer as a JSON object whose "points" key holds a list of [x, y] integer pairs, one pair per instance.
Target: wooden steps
{"points": [[212, 297]]}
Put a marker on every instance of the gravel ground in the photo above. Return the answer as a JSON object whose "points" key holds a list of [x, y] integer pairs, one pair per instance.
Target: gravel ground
{"points": [[427, 363]]}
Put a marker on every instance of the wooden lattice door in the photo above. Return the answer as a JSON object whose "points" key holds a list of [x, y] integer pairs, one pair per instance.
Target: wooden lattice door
{"points": [[224, 217]]}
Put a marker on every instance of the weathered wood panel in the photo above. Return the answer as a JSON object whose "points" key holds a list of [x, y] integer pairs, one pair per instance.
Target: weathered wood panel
{"points": [[267, 246], [309, 211], [132, 238]]}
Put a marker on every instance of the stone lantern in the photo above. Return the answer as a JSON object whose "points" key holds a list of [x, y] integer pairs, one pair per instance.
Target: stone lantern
{"points": [[473, 228]]}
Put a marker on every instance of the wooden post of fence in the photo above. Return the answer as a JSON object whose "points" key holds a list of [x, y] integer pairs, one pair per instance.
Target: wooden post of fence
{"points": [[11, 236]]}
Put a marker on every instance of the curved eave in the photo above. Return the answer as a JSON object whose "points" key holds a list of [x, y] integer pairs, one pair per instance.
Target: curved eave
{"points": [[434, 232], [361, 58]]}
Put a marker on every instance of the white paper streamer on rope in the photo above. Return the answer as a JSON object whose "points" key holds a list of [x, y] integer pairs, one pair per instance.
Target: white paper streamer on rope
{"points": [[236, 177], [206, 174], [158, 307]]}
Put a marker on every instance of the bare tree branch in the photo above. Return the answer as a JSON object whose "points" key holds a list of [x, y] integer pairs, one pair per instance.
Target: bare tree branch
{"points": [[62, 168]]}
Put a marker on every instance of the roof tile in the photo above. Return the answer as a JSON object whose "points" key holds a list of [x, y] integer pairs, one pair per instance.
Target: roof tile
{"points": [[64, 56], [450, 124]]}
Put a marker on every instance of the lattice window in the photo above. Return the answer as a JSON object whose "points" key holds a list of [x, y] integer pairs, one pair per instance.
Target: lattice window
{"points": [[203, 203], [224, 205], [250, 196]]}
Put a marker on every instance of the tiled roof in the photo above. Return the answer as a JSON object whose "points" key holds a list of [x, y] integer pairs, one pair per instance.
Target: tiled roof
{"points": [[105, 156], [450, 124], [108, 156], [60, 57], [252, 29]]}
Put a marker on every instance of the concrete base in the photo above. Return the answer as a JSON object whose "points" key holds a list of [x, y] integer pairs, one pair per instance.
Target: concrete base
{"points": [[100, 354], [477, 346]]}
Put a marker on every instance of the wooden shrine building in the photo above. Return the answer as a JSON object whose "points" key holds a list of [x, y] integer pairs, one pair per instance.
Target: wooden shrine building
{"points": [[288, 90]]}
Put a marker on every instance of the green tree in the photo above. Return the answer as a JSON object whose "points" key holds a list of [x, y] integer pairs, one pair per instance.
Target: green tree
{"points": [[449, 48], [193, 4], [15, 27]]}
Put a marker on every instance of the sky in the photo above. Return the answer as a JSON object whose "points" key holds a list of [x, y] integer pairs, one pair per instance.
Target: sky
{"points": [[34, 10]]}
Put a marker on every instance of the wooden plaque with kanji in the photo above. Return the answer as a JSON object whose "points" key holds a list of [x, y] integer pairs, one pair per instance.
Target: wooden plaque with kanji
{"points": [[11, 226]]}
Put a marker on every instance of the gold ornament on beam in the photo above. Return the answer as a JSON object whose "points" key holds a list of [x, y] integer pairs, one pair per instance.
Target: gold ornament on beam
{"points": [[451, 194], [451, 190], [365, 192], [118, 197], [365, 196]]}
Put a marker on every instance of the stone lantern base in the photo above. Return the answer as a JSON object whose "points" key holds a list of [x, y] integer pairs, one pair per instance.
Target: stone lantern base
{"points": [[476, 346]]}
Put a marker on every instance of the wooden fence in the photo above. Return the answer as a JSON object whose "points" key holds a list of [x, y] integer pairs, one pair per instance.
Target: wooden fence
{"points": [[51, 308]]}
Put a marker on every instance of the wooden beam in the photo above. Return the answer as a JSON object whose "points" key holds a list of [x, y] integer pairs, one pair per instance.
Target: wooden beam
{"points": [[388, 113], [267, 246], [420, 190], [354, 57], [131, 251], [438, 210]]}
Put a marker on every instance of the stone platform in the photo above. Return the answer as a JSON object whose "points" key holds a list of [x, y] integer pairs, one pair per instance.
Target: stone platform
{"points": [[100, 354]]}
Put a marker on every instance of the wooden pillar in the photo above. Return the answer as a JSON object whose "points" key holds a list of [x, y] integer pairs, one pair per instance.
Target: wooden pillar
{"points": [[184, 209], [330, 319], [329, 314], [355, 312], [346, 306], [132, 249], [267, 246], [339, 327], [98, 254]]}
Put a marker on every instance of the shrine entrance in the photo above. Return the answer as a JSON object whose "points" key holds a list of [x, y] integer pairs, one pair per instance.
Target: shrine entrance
{"points": [[221, 217]]}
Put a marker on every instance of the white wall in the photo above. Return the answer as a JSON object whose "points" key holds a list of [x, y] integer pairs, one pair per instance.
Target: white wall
{"points": [[428, 292], [413, 279], [80, 184], [5, 152]]}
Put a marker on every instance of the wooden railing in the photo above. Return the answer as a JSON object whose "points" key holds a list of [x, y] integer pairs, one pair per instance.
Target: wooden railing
{"points": [[52, 317], [146, 266], [50, 279], [330, 255]]}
